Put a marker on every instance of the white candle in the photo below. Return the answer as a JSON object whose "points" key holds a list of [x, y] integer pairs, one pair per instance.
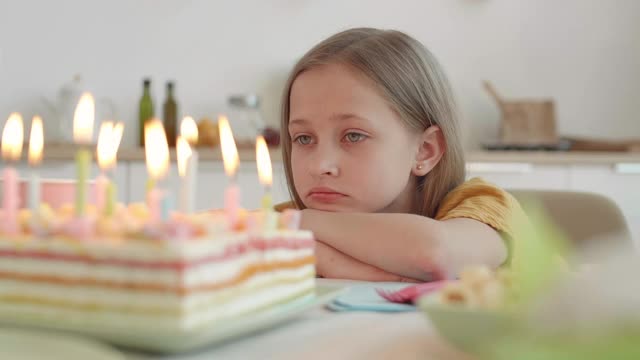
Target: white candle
{"points": [[108, 143], [265, 172], [186, 193], [34, 192], [192, 178], [157, 158], [265, 175], [36, 142], [189, 131]]}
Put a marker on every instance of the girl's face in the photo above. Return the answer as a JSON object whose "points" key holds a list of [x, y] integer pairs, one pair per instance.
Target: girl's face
{"points": [[350, 151]]}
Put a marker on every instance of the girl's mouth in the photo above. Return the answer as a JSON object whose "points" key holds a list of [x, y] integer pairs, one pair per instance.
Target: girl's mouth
{"points": [[324, 195]]}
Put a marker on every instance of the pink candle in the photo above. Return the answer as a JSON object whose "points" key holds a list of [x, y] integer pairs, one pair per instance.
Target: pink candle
{"points": [[12, 138], [101, 193], [10, 202], [232, 203], [154, 198], [231, 162], [291, 219]]}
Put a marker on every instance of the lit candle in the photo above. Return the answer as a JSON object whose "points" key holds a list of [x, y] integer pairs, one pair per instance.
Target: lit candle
{"points": [[231, 164], [157, 158], [184, 154], [83, 119], [189, 131], [265, 174], [12, 139], [36, 143], [108, 143], [112, 189], [104, 162]]}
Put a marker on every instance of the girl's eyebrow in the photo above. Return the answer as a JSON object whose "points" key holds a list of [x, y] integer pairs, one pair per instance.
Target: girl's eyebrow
{"points": [[298, 121], [345, 116], [334, 117]]}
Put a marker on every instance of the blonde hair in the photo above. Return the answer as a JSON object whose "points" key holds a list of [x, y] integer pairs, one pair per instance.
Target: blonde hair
{"points": [[414, 85]]}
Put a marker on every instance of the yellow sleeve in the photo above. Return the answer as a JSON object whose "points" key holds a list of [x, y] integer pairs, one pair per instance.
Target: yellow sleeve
{"points": [[479, 200]]}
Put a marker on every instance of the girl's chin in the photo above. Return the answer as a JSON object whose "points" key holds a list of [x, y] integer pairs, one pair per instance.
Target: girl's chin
{"points": [[327, 208], [333, 208]]}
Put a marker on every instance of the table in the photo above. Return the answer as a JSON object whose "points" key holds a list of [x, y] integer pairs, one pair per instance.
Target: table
{"points": [[323, 334]]}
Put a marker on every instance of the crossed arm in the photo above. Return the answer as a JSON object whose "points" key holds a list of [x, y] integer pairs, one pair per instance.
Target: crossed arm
{"points": [[399, 247]]}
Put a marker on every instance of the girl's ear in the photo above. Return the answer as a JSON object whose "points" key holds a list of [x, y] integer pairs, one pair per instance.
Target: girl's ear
{"points": [[431, 148]]}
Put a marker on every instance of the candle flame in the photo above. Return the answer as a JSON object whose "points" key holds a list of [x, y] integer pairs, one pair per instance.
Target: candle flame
{"points": [[263, 159], [156, 149], [83, 119], [228, 146], [183, 150], [105, 153], [36, 141], [12, 137], [189, 130], [118, 130]]}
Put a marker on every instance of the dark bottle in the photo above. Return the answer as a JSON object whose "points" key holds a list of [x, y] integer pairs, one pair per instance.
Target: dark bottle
{"points": [[146, 108], [170, 116]]}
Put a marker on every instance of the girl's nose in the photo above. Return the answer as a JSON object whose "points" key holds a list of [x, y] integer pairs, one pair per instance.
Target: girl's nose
{"points": [[324, 163], [329, 169]]}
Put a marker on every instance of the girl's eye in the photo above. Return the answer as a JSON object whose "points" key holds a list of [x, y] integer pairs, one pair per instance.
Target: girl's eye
{"points": [[354, 137], [303, 139]]}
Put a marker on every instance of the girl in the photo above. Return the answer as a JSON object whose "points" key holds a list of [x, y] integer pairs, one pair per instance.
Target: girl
{"points": [[373, 158]]}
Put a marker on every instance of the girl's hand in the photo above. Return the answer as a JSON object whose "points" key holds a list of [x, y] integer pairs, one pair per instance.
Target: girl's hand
{"points": [[331, 263]]}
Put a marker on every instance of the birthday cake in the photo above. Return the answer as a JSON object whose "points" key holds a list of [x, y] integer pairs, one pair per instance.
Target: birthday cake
{"points": [[182, 274], [141, 269]]}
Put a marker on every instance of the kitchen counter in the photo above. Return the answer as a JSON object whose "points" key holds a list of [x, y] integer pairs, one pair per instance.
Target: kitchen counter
{"points": [[247, 153], [553, 157]]}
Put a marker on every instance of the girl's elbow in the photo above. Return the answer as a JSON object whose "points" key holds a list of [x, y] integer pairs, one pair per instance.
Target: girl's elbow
{"points": [[433, 258]]}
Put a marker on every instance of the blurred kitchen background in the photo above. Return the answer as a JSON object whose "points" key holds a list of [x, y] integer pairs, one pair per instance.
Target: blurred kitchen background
{"points": [[584, 55]]}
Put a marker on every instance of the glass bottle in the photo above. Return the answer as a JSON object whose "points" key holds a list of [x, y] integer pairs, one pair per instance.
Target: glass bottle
{"points": [[146, 108], [170, 116]]}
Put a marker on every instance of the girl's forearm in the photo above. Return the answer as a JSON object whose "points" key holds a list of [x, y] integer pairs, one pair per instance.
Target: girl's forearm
{"points": [[403, 244], [331, 263]]}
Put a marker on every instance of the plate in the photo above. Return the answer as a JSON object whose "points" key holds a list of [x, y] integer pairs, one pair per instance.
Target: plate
{"points": [[26, 344], [175, 342]]}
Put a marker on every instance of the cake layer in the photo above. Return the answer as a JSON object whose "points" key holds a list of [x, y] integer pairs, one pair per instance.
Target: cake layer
{"points": [[250, 299], [155, 254], [152, 302], [204, 276], [153, 285], [152, 254]]}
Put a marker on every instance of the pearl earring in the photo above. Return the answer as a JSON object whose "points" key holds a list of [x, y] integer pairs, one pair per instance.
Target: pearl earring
{"points": [[419, 167]]}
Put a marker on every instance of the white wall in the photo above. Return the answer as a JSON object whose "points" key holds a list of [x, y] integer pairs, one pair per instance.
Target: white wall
{"points": [[584, 53]]}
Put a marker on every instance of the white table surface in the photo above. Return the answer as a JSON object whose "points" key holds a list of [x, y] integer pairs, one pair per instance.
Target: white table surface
{"points": [[323, 334]]}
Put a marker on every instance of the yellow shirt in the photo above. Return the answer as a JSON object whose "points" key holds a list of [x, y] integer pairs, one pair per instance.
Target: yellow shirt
{"points": [[482, 201], [479, 200]]}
